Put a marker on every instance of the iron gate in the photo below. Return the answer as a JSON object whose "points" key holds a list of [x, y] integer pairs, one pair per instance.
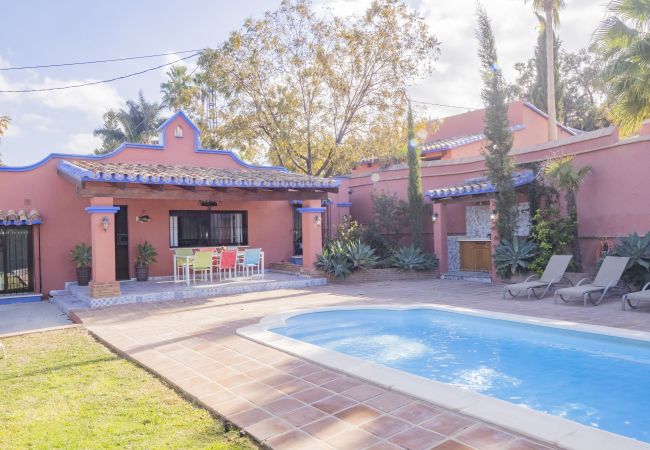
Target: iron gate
{"points": [[16, 259]]}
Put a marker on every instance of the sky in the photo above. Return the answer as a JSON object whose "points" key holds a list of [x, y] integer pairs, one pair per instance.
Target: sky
{"points": [[46, 32]]}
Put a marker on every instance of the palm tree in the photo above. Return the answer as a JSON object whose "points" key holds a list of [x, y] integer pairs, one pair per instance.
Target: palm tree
{"points": [[551, 11], [138, 123], [560, 172], [623, 40], [179, 89]]}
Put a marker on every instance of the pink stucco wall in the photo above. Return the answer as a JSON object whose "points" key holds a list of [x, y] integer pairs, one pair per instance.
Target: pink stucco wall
{"points": [[66, 223], [612, 201]]}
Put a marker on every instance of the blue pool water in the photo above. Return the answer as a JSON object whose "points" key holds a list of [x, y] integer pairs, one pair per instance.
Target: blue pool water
{"points": [[596, 380]]}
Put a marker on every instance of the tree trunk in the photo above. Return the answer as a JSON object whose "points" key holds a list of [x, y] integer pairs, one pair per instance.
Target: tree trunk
{"points": [[572, 211], [550, 73]]}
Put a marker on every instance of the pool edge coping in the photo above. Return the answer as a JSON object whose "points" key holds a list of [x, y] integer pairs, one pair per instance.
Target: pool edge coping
{"points": [[547, 428]]}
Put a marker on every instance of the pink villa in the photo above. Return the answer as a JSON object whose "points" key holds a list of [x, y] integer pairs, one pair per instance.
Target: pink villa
{"points": [[175, 194]]}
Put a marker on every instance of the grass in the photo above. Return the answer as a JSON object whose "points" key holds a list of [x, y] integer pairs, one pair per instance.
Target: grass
{"points": [[62, 389]]}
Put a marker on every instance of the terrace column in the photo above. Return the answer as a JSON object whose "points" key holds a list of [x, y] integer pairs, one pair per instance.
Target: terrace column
{"points": [[440, 235], [312, 231], [494, 240], [102, 232]]}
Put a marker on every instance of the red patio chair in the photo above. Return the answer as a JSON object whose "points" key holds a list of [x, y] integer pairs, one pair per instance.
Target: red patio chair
{"points": [[228, 261]]}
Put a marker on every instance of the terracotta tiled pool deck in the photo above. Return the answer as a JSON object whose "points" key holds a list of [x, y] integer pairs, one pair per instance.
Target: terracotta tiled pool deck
{"points": [[285, 402]]}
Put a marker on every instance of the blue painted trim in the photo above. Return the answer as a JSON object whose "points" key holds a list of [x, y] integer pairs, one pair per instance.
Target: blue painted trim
{"points": [[125, 145], [544, 115], [295, 202], [20, 298], [343, 204], [80, 174], [19, 223], [311, 210], [102, 209]]}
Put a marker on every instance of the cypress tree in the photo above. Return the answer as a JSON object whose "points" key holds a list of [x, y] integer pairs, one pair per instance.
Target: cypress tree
{"points": [[497, 130], [415, 186]]}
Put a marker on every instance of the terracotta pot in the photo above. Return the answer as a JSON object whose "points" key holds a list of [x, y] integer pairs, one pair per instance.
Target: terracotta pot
{"points": [[142, 273], [83, 275]]}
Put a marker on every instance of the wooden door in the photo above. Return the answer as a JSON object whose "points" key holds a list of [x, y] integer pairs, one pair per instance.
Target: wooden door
{"points": [[475, 256]]}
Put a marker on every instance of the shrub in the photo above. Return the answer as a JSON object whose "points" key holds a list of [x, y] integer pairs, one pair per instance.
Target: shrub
{"points": [[389, 218], [551, 234], [146, 254], [514, 256], [637, 248], [360, 255], [334, 260], [81, 255], [349, 230], [412, 258]]}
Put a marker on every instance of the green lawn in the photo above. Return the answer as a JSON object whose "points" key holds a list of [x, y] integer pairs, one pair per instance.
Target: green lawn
{"points": [[62, 389]]}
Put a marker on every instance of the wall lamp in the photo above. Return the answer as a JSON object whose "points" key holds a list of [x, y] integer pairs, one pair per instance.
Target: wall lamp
{"points": [[105, 223], [493, 216], [317, 220], [434, 217]]}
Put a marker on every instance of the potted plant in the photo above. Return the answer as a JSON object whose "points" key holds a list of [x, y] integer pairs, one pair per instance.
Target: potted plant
{"points": [[81, 255], [146, 256]]}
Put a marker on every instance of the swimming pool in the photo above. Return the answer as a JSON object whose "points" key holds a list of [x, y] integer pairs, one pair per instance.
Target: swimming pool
{"points": [[597, 380]]}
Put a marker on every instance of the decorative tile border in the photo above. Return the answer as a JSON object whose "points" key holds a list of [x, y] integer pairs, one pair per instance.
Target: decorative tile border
{"points": [[81, 294]]}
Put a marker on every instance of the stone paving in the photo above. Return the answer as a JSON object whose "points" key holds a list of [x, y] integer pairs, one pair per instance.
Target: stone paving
{"points": [[287, 403]]}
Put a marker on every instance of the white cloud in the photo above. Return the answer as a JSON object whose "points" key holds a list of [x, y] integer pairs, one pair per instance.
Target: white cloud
{"points": [[82, 143], [13, 130], [37, 122], [190, 63], [93, 100]]}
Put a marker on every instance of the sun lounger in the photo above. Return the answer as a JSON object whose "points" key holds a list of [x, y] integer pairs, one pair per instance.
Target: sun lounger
{"points": [[634, 298], [553, 274], [608, 276]]}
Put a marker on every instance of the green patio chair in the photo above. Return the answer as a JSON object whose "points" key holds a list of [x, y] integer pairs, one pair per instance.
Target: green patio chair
{"points": [[181, 263], [202, 263]]}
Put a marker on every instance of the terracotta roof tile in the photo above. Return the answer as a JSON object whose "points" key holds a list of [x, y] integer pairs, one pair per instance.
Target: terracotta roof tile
{"points": [[83, 170], [11, 217]]}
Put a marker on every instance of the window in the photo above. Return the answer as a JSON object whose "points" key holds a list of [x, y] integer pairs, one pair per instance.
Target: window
{"points": [[178, 132], [207, 228]]}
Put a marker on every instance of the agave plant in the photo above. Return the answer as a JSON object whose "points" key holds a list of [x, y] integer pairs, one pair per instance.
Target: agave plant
{"points": [[361, 256], [514, 256], [412, 258], [334, 260], [637, 248]]}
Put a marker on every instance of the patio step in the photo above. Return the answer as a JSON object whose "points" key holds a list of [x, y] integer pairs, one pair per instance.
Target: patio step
{"points": [[475, 277], [156, 290]]}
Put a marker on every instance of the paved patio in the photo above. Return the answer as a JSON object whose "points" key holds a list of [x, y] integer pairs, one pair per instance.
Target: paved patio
{"points": [[288, 403]]}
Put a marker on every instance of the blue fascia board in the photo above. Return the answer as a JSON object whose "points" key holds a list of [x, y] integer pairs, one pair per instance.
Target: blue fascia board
{"points": [[344, 204], [19, 223], [311, 210], [518, 180], [102, 209]]}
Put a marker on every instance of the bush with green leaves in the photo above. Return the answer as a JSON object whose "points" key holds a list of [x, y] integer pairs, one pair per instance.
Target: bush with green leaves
{"points": [[412, 258], [552, 234], [360, 255], [637, 248], [334, 260], [349, 230], [512, 257]]}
